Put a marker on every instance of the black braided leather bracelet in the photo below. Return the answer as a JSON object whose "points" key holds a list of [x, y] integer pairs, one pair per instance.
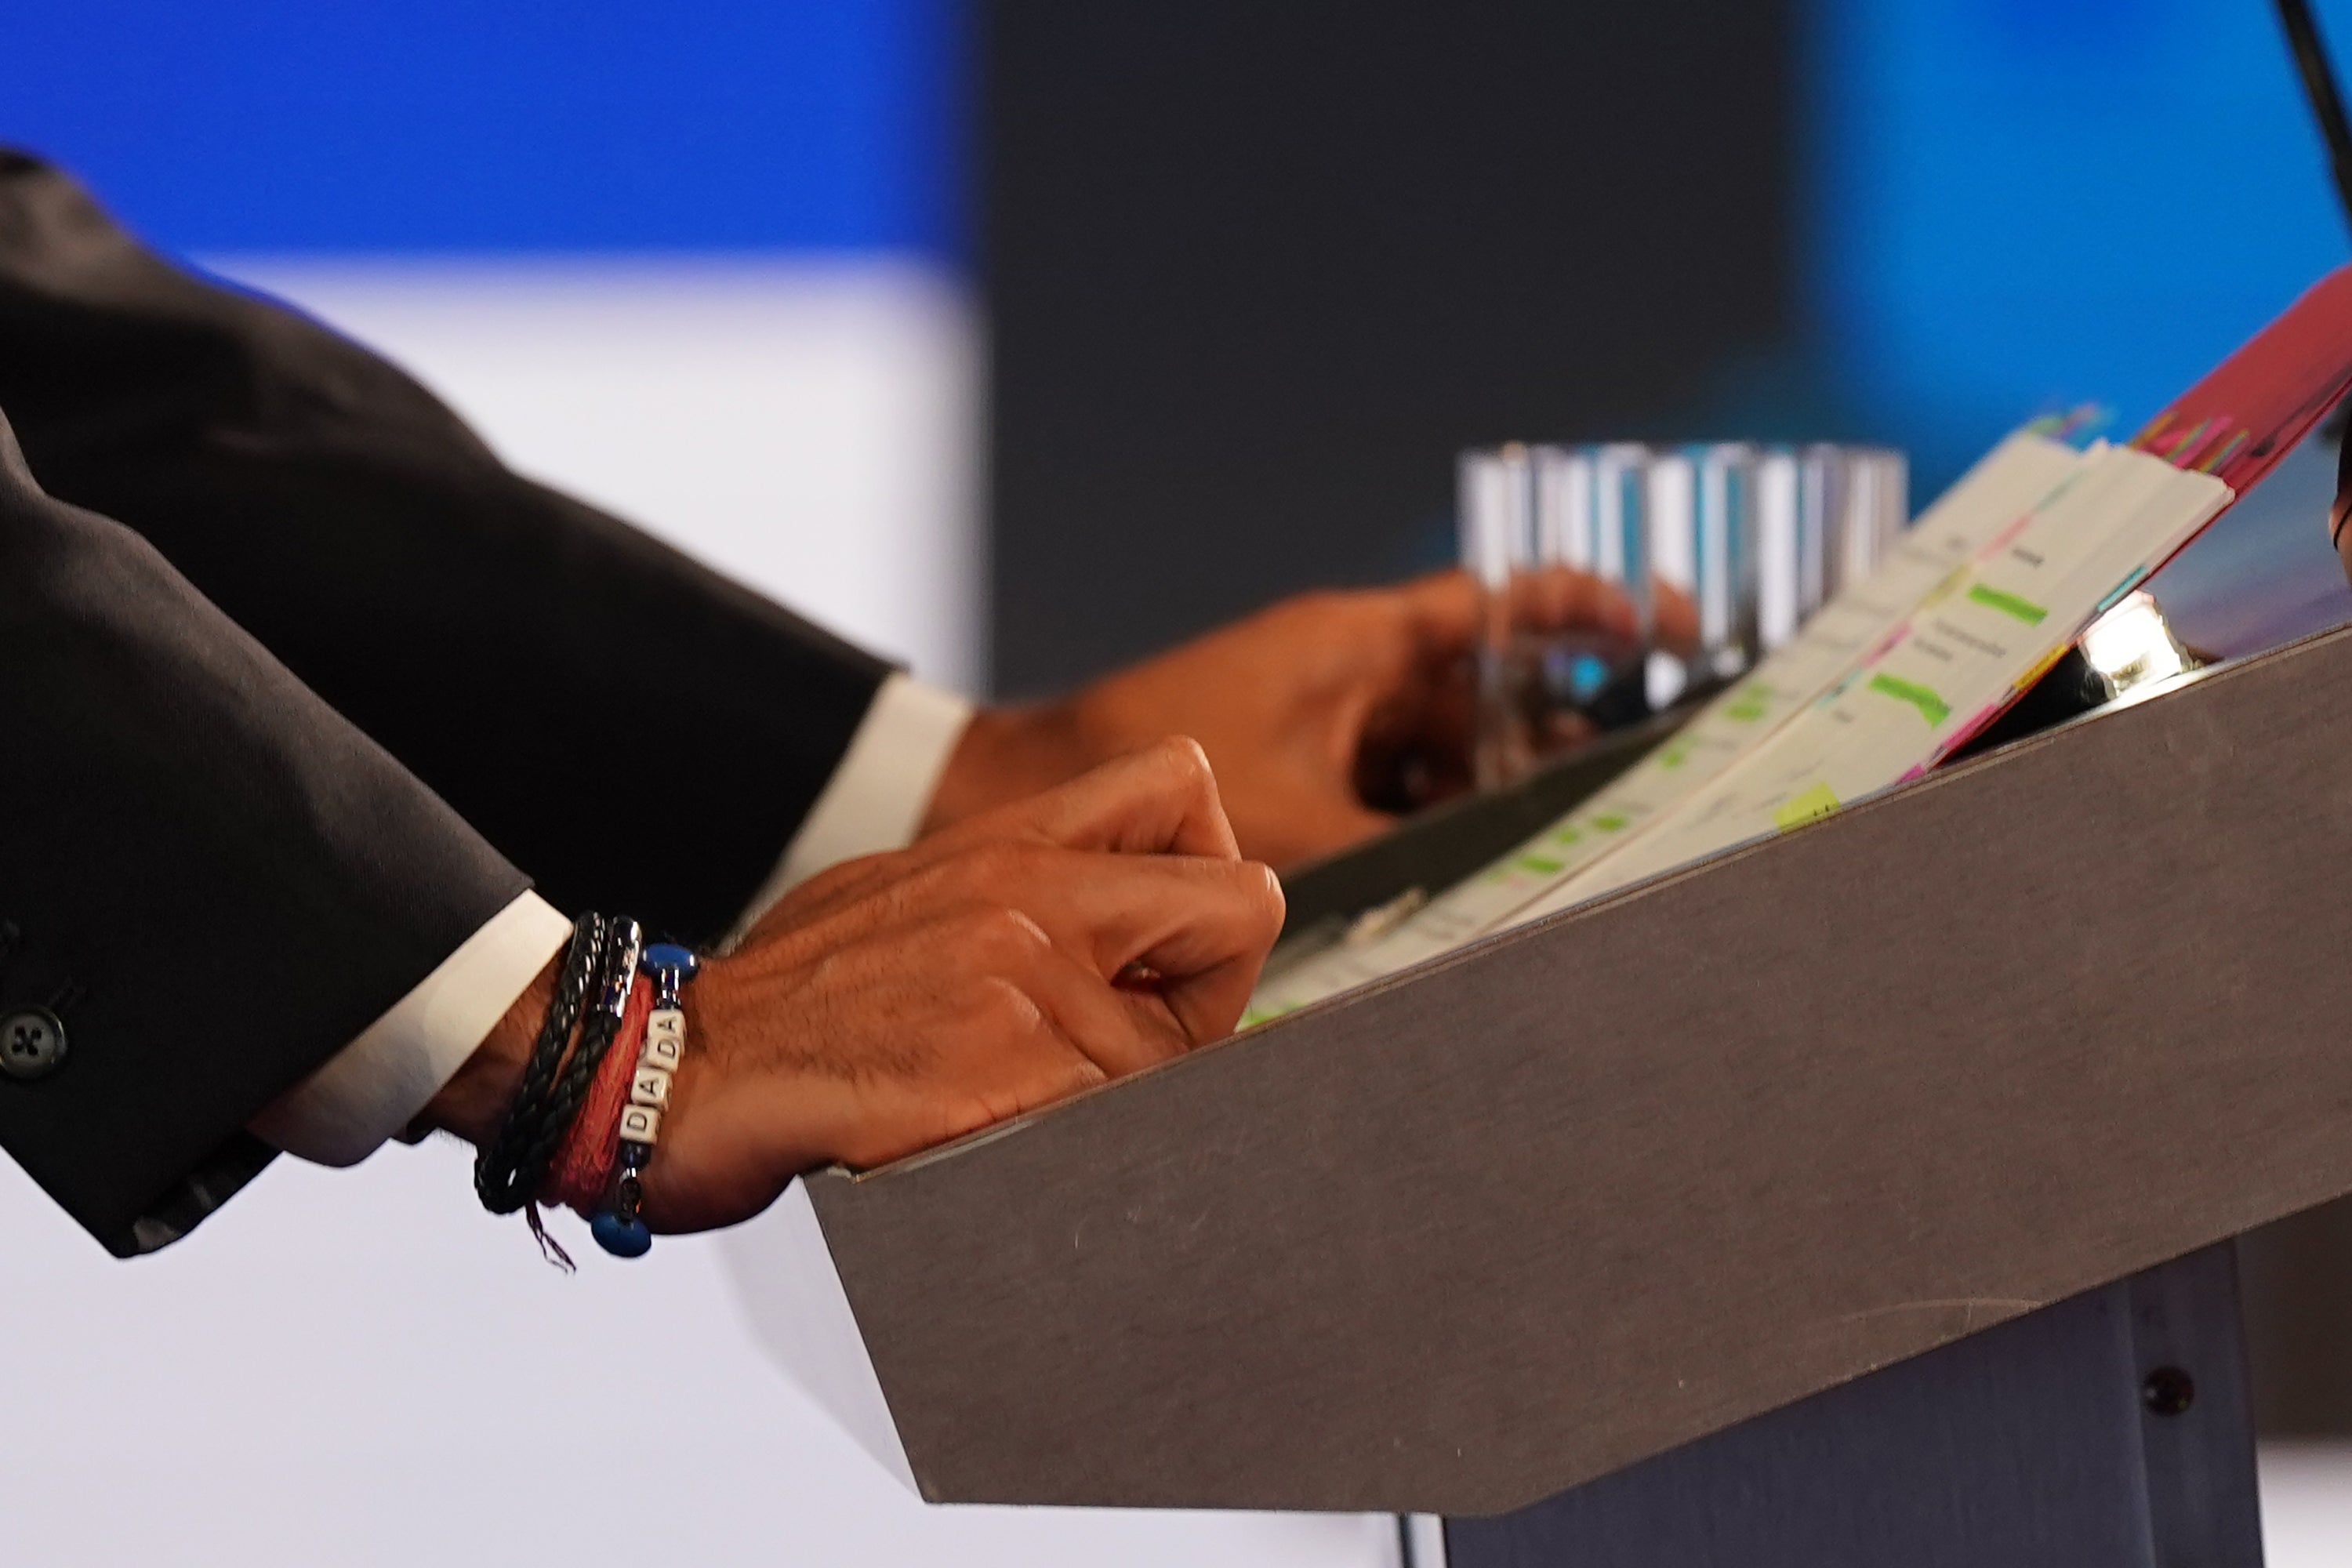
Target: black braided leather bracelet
{"points": [[497, 1168], [600, 1024]]}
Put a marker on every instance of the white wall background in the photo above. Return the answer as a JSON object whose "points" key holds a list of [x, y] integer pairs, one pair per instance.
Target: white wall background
{"points": [[361, 1367]]}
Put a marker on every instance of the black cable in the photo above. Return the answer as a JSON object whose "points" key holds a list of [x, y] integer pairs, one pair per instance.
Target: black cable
{"points": [[2319, 86], [2342, 510]]}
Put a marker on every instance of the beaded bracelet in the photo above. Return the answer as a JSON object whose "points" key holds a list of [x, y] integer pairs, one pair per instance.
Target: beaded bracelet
{"points": [[617, 1227], [580, 1177]]}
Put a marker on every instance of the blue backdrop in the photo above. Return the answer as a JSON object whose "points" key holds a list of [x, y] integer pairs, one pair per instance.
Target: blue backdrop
{"points": [[438, 125], [2019, 203]]}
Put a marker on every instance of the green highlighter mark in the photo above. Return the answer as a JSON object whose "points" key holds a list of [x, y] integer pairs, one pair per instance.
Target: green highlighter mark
{"points": [[1803, 806], [1541, 864], [1610, 822], [2009, 604], [1674, 756], [1748, 703], [1919, 697]]}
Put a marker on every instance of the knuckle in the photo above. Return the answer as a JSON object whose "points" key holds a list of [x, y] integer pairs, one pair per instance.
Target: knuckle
{"points": [[994, 865], [1000, 932], [1001, 1008], [1186, 760]]}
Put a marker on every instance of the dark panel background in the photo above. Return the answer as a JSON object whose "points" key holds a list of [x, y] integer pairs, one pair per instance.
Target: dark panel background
{"points": [[1253, 273]]}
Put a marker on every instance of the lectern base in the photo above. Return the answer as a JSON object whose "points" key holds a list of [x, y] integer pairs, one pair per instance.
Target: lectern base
{"points": [[2109, 1431]]}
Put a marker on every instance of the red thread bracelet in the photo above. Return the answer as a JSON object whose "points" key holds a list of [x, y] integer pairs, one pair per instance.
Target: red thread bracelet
{"points": [[581, 1171]]}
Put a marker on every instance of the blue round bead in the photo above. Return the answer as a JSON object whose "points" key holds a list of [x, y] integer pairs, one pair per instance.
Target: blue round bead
{"points": [[670, 955], [620, 1238]]}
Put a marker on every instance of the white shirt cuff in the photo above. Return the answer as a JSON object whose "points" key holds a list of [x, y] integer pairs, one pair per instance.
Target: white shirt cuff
{"points": [[377, 1085], [878, 791]]}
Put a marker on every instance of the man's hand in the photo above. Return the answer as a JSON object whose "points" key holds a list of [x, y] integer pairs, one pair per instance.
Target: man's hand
{"points": [[1321, 714], [904, 999]]}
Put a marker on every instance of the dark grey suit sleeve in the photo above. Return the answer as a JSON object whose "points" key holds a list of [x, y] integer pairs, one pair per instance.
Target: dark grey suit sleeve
{"points": [[214, 877], [641, 734]]}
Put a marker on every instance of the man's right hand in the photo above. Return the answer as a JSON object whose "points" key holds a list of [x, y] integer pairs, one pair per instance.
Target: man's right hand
{"points": [[901, 999]]}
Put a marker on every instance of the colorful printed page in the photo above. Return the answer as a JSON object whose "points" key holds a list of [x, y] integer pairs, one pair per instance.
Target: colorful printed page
{"points": [[1961, 659], [2000, 490]]}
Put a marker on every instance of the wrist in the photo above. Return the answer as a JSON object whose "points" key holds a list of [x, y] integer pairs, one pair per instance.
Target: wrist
{"points": [[475, 1099]]}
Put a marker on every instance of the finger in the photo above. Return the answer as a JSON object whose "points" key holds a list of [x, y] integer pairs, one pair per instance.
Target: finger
{"points": [[1118, 1033], [1386, 650], [1560, 599], [1444, 608], [1377, 640], [1160, 800], [1154, 804], [1676, 617], [1203, 926], [1563, 730], [1180, 914], [1441, 611]]}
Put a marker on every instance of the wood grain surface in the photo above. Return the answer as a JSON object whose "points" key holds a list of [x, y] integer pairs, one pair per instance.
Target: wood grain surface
{"points": [[1591, 1190]]}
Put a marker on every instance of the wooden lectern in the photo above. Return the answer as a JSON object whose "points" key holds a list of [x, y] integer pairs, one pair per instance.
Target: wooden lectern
{"points": [[1777, 1211]]}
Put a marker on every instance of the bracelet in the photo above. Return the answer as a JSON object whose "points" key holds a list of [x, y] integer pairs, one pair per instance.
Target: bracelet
{"points": [[617, 1227], [581, 1176], [598, 1030], [497, 1167], [601, 965]]}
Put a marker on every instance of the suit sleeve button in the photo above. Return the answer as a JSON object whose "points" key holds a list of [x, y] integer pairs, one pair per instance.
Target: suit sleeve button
{"points": [[32, 1043]]}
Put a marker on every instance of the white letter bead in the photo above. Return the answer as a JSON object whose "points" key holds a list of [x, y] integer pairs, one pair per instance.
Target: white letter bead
{"points": [[641, 1124], [669, 1021], [664, 1051], [650, 1086]]}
